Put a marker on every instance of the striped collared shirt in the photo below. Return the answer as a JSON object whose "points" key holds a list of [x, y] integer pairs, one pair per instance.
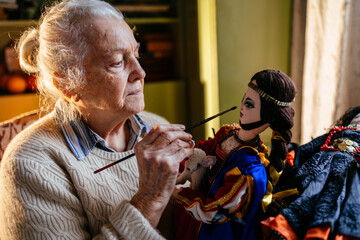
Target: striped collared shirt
{"points": [[82, 140]]}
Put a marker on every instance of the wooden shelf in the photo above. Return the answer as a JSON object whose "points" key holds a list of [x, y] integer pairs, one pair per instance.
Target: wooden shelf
{"points": [[148, 20], [157, 20], [17, 23]]}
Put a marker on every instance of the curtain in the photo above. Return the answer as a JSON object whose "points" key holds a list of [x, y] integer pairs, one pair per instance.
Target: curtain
{"points": [[325, 63]]}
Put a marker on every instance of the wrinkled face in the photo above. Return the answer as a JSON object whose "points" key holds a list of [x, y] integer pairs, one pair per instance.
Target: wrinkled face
{"points": [[250, 106], [114, 75], [356, 119]]}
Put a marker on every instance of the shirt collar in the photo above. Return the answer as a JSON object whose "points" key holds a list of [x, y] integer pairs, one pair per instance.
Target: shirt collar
{"points": [[82, 140]]}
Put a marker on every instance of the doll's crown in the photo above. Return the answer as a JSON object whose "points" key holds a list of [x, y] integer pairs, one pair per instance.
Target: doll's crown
{"points": [[267, 97]]}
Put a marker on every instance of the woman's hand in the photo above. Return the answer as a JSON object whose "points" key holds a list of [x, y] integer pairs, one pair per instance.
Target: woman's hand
{"points": [[159, 155]]}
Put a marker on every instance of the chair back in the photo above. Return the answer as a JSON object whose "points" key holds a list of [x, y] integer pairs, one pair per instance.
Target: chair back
{"points": [[10, 128]]}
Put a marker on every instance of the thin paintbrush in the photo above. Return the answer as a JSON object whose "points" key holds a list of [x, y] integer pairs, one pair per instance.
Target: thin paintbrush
{"points": [[186, 130]]}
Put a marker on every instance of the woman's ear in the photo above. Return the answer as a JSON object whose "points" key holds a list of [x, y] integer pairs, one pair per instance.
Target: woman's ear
{"points": [[65, 91]]}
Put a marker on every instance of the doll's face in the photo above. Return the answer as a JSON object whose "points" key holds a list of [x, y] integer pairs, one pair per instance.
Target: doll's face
{"points": [[356, 119], [250, 106]]}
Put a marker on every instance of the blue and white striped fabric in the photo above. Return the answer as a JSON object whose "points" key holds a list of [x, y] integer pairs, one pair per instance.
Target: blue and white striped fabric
{"points": [[82, 140]]}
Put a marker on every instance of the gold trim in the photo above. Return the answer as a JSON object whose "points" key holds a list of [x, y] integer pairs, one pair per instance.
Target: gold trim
{"points": [[267, 97], [213, 205]]}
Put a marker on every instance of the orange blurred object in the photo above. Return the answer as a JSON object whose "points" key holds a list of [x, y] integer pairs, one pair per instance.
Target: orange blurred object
{"points": [[16, 84]]}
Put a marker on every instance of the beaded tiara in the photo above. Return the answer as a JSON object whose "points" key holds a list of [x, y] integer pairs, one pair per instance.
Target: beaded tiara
{"points": [[267, 97]]}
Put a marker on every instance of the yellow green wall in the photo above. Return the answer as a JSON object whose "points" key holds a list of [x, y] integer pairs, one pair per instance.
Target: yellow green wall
{"points": [[252, 36], [166, 99]]}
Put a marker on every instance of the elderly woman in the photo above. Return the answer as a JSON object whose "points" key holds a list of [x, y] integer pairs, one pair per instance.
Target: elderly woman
{"points": [[85, 58]]}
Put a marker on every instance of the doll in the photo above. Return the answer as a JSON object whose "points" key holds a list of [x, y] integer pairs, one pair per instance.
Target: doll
{"points": [[226, 203], [326, 172]]}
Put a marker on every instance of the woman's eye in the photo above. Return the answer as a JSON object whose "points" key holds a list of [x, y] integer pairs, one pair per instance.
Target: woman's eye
{"points": [[117, 64], [249, 104]]}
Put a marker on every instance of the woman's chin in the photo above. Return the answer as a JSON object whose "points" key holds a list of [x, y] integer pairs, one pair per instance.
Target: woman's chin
{"points": [[137, 108]]}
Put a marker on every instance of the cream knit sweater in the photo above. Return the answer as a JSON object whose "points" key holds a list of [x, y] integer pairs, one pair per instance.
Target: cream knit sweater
{"points": [[46, 193]]}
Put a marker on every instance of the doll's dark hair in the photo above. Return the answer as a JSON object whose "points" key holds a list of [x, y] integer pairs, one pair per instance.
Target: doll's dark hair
{"points": [[349, 115], [281, 118]]}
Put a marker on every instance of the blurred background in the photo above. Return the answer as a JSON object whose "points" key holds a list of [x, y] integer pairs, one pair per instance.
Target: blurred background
{"points": [[199, 56]]}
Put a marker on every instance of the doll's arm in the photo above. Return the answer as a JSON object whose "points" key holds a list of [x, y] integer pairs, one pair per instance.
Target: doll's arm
{"points": [[195, 168]]}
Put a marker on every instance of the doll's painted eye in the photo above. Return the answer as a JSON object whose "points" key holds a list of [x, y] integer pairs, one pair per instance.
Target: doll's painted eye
{"points": [[249, 103]]}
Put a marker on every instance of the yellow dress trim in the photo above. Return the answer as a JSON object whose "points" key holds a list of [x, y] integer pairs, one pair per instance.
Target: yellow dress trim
{"points": [[233, 172], [286, 193], [213, 205], [240, 213]]}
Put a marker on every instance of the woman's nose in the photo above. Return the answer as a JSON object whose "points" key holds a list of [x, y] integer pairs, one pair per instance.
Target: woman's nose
{"points": [[137, 72]]}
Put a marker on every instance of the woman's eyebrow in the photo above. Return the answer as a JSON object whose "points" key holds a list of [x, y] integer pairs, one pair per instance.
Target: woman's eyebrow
{"points": [[121, 49]]}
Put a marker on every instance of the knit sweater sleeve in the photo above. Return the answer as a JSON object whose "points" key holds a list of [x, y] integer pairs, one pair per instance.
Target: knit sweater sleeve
{"points": [[41, 203]]}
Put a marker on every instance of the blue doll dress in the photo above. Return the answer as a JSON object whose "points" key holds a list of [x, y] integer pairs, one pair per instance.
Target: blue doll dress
{"points": [[225, 207], [248, 162]]}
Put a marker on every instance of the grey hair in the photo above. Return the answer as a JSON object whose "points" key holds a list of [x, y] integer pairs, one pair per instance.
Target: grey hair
{"points": [[60, 44]]}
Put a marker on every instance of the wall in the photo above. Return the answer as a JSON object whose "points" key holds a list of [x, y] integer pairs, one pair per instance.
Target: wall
{"points": [[252, 36], [13, 105], [166, 99]]}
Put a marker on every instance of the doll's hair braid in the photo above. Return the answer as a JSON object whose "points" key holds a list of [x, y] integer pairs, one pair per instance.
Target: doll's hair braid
{"points": [[281, 87]]}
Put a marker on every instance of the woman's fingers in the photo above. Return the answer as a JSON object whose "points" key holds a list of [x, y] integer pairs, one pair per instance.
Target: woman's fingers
{"points": [[162, 131], [158, 155], [164, 139]]}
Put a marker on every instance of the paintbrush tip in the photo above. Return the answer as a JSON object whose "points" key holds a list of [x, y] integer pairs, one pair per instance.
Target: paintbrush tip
{"points": [[234, 107]]}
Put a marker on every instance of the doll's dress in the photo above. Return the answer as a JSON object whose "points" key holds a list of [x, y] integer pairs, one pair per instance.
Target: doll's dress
{"points": [[236, 185], [328, 206]]}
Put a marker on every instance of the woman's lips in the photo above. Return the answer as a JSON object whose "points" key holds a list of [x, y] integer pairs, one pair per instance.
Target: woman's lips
{"points": [[136, 92]]}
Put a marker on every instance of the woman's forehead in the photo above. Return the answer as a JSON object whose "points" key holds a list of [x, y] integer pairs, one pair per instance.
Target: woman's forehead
{"points": [[110, 35]]}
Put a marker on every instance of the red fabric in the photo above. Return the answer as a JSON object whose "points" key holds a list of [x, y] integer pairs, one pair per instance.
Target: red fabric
{"points": [[182, 166], [279, 224], [344, 237], [291, 157], [186, 227], [209, 145], [321, 232], [10, 128]]}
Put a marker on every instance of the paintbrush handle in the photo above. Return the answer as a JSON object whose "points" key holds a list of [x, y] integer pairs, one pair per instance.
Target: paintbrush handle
{"points": [[208, 119], [186, 129], [116, 162]]}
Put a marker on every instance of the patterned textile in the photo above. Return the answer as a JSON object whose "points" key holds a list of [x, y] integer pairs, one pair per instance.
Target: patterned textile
{"points": [[10, 128], [329, 186]]}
